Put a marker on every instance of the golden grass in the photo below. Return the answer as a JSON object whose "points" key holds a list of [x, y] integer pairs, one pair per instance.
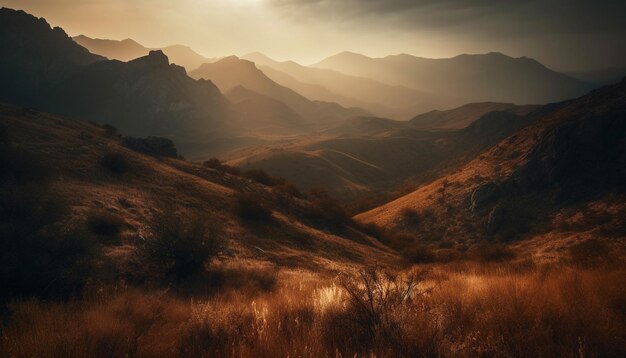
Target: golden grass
{"points": [[498, 311]]}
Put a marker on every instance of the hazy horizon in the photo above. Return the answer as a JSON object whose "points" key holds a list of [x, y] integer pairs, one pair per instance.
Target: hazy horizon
{"points": [[565, 36]]}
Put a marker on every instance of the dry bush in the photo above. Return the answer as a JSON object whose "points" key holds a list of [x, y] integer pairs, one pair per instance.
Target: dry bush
{"points": [[115, 163], [40, 256], [251, 208], [326, 212], [491, 252], [181, 245], [374, 316], [246, 277], [288, 191], [104, 223], [110, 130], [410, 217], [260, 176], [216, 164], [590, 253]]}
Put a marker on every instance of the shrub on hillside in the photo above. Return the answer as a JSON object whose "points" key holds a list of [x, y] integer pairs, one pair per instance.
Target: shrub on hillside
{"points": [[418, 253], [110, 130], [410, 217], [260, 176], [492, 252], [39, 256], [180, 246], [250, 207], [326, 212], [240, 276], [104, 223], [216, 164], [589, 253], [371, 319], [115, 163]]}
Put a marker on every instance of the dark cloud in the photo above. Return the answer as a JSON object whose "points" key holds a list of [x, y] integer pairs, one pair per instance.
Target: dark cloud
{"points": [[528, 16], [571, 33]]}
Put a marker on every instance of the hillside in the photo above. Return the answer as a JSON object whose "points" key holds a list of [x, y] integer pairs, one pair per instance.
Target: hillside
{"points": [[136, 188], [557, 181], [367, 155], [471, 78], [145, 96], [463, 116]]}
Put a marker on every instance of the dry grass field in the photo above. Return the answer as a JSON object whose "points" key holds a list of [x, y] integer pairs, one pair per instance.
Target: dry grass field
{"points": [[461, 310]]}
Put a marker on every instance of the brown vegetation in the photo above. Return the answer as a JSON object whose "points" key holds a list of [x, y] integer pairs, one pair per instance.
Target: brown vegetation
{"points": [[499, 311]]}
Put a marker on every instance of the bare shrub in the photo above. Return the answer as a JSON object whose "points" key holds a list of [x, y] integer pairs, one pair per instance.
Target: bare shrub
{"points": [[216, 164], [326, 212], [110, 130], [492, 252], [410, 217], [418, 253], [104, 223], [180, 245], [372, 318], [40, 255], [250, 208], [590, 253], [248, 278], [260, 176]]}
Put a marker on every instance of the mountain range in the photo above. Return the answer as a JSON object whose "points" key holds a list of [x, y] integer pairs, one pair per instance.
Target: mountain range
{"points": [[469, 78], [128, 49], [399, 86]]}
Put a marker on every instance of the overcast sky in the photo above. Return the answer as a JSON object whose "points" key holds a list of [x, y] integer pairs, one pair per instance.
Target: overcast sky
{"points": [[566, 35]]}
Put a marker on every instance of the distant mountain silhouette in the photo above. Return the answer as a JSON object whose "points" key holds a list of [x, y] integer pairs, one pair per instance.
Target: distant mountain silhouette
{"points": [[124, 50], [129, 49], [231, 72], [380, 98], [35, 56], [43, 68], [602, 76], [145, 96], [471, 78], [186, 57]]}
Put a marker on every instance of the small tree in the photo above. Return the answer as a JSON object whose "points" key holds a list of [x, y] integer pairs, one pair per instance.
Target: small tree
{"points": [[180, 246]]}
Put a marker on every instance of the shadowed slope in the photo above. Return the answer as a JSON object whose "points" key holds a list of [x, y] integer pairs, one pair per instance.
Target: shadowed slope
{"points": [[148, 186], [564, 171]]}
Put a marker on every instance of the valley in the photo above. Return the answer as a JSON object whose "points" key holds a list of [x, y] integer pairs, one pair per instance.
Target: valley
{"points": [[155, 201]]}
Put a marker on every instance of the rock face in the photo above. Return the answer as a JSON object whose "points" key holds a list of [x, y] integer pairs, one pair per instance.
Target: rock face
{"points": [[496, 219], [484, 195], [155, 146]]}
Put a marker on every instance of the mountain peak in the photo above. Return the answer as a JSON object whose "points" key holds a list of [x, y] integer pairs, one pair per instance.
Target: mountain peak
{"points": [[155, 58]]}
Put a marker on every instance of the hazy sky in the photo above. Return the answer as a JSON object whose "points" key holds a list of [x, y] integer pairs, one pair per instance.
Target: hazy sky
{"points": [[563, 34]]}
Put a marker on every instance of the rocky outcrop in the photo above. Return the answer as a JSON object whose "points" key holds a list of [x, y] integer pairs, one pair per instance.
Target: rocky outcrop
{"points": [[496, 219], [484, 195]]}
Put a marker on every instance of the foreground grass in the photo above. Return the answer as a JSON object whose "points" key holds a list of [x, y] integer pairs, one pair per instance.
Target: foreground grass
{"points": [[450, 312]]}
